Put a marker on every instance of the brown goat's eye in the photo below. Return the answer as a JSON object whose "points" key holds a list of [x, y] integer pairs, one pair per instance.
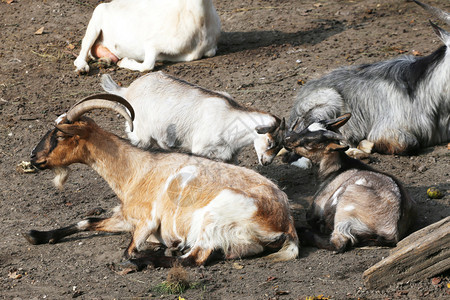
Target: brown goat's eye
{"points": [[60, 136]]}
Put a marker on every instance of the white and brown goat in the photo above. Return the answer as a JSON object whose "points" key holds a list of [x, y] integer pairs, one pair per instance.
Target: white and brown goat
{"points": [[355, 203], [172, 113], [138, 33], [184, 201]]}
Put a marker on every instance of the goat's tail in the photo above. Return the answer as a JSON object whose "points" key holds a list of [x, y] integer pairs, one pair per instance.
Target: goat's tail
{"points": [[290, 247], [110, 86]]}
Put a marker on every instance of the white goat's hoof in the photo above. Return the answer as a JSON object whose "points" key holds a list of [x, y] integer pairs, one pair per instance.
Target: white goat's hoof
{"points": [[302, 163], [82, 66]]}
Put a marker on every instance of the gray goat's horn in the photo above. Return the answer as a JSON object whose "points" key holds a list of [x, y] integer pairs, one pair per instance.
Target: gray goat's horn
{"points": [[108, 101], [438, 13]]}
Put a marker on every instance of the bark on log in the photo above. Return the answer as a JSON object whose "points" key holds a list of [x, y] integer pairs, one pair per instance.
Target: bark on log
{"points": [[423, 254]]}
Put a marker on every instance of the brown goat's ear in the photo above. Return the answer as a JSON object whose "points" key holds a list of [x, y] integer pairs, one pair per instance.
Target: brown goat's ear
{"points": [[72, 129], [335, 147]]}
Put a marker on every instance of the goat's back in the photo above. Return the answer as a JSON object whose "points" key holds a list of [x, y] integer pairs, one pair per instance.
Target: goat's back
{"points": [[403, 101], [374, 199], [175, 113]]}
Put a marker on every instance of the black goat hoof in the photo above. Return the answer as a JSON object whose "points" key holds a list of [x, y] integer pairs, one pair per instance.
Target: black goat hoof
{"points": [[35, 237]]}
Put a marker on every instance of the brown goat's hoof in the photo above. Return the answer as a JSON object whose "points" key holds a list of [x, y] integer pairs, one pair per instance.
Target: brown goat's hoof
{"points": [[132, 264], [35, 237]]}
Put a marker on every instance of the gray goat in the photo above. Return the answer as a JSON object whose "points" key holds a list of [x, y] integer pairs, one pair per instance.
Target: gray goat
{"points": [[399, 105]]}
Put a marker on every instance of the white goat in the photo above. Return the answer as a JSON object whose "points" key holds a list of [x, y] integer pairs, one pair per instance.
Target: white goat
{"points": [[172, 113], [141, 32], [355, 203], [399, 105], [192, 203]]}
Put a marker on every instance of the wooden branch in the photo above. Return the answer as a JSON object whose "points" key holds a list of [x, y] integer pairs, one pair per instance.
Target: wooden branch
{"points": [[423, 254]]}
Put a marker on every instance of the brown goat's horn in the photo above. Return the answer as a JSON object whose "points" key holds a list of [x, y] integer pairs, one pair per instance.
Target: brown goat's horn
{"points": [[438, 13], [108, 101]]}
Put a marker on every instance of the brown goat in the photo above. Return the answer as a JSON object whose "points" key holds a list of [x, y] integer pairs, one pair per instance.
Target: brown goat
{"points": [[191, 203], [355, 203]]}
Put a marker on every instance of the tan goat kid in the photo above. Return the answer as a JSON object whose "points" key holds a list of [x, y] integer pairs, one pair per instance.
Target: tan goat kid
{"points": [[191, 203], [355, 203]]}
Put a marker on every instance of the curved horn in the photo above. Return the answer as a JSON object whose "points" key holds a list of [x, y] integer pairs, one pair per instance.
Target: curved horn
{"points": [[108, 101], [438, 13]]}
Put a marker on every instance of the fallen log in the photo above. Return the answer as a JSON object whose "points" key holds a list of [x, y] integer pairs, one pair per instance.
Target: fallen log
{"points": [[422, 254]]}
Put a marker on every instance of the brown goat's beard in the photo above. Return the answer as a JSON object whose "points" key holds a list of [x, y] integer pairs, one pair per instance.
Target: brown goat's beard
{"points": [[61, 175]]}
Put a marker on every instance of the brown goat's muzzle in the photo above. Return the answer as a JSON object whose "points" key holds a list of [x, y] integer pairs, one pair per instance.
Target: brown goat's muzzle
{"points": [[45, 146]]}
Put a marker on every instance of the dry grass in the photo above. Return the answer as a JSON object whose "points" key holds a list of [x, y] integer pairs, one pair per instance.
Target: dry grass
{"points": [[178, 280]]}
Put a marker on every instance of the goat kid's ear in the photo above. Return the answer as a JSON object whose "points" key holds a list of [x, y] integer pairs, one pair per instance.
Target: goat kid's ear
{"points": [[443, 35], [72, 129], [335, 147], [282, 126]]}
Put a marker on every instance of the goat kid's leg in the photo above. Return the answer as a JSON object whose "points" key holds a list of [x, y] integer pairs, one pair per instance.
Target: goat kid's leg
{"points": [[112, 224], [346, 233], [309, 237]]}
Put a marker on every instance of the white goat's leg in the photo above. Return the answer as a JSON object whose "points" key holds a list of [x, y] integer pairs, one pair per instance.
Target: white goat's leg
{"points": [[92, 33], [147, 65], [211, 52]]}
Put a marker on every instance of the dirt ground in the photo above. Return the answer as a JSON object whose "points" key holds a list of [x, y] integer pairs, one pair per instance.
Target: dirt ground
{"points": [[267, 49]]}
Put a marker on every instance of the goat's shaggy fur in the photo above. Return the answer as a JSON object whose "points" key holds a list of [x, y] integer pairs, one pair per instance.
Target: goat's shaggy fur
{"points": [[400, 105]]}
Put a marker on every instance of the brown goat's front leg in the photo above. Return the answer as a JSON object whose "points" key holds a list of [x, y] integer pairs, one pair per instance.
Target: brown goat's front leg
{"points": [[195, 257], [113, 224], [141, 233]]}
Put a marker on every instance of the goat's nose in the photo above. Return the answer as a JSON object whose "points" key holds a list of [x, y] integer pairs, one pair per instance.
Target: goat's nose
{"points": [[33, 155]]}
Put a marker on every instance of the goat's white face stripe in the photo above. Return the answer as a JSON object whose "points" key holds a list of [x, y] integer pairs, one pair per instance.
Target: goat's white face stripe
{"points": [[60, 118], [316, 127]]}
